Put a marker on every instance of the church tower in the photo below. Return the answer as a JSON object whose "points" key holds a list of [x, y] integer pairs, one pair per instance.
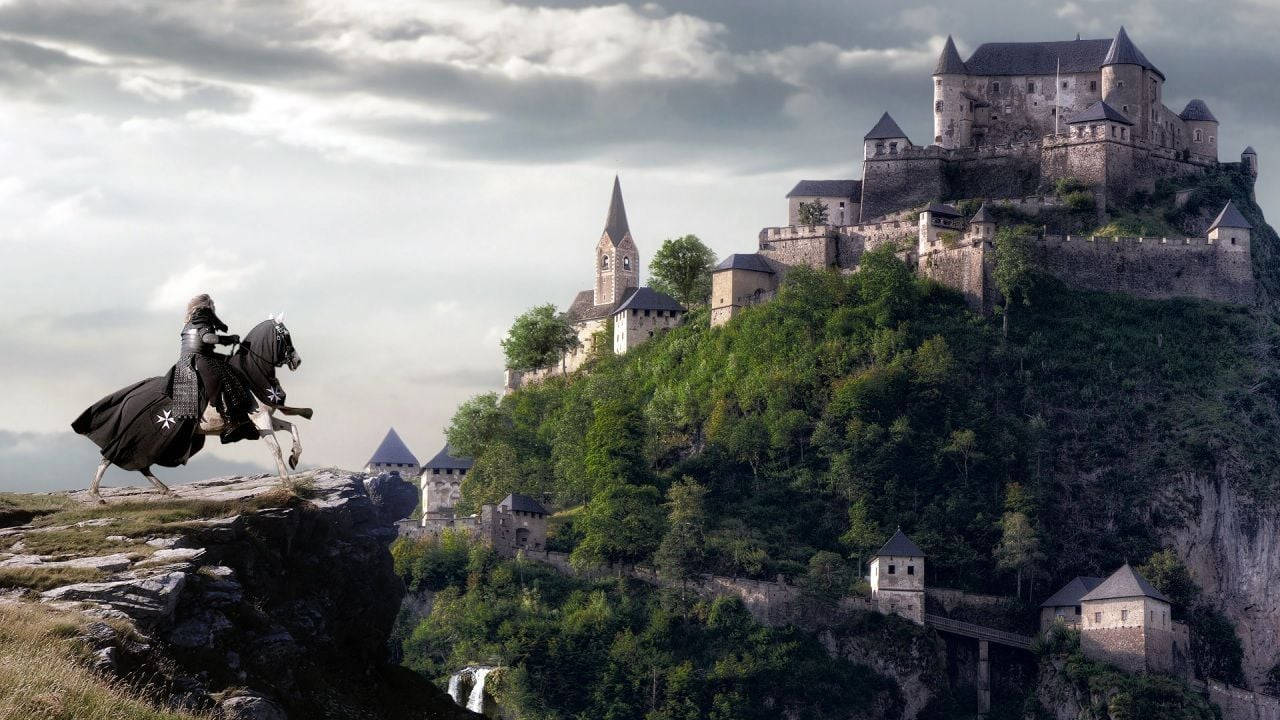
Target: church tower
{"points": [[617, 260]]}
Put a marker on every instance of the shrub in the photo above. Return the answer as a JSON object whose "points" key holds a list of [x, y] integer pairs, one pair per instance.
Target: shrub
{"points": [[1079, 200]]}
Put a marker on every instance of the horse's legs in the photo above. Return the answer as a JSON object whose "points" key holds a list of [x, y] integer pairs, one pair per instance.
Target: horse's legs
{"points": [[97, 480], [296, 452], [164, 489], [262, 420]]}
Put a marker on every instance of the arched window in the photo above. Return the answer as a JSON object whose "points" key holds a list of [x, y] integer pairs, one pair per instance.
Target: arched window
{"points": [[937, 107], [604, 262], [626, 262]]}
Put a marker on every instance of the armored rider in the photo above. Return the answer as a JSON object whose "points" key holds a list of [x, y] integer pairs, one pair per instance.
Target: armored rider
{"points": [[203, 373]]}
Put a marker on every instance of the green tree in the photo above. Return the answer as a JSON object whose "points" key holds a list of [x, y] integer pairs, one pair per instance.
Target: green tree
{"points": [[863, 535], [812, 213], [538, 338], [826, 580], [477, 422], [963, 444], [622, 524], [1019, 548], [682, 269], [886, 286], [496, 474], [683, 549], [1170, 576], [1013, 270], [615, 446]]}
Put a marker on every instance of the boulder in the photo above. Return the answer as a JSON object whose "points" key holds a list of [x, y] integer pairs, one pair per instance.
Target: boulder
{"points": [[149, 599], [251, 707], [393, 498]]}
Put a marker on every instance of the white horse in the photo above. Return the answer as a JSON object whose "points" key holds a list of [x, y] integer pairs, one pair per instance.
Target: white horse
{"points": [[265, 348]]}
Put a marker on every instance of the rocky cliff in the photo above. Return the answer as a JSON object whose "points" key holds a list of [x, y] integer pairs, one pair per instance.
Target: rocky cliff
{"points": [[240, 597]]}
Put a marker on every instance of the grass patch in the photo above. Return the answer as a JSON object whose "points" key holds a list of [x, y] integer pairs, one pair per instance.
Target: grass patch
{"points": [[38, 578], [41, 678], [22, 508]]}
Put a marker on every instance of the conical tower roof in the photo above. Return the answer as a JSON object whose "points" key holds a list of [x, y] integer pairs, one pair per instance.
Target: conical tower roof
{"points": [[983, 215], [1197, 109], [900, 546], [1124, 52], [885, 128], [949, 62], [392, 451], [615, 223], [1248, 150], [1231, 217], [1124, 583]]}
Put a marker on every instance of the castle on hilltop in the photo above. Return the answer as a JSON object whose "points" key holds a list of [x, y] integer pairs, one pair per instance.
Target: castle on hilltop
{"points": [[637, 313], [1009, 122]]}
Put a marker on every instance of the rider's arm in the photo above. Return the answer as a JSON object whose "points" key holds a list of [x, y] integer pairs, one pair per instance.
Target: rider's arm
{"points": [[228, 339]]}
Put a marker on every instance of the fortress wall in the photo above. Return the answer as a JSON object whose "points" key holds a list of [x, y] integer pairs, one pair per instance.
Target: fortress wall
{"points": [[1153, 268], [960, 268], [815, 249], [1002, 171], [1240, 704], [1123, 647], [903, 181]]}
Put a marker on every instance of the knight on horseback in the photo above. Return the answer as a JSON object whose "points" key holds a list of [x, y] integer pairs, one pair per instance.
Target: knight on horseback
{"points": [[203, 373]]}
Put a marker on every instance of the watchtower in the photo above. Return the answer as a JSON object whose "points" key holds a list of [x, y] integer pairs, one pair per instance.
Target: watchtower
{"points": [[897, 578], [1127, 622]]}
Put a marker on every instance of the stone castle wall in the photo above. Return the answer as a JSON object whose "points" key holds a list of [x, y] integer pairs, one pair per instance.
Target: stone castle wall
{"points": [[910, 178], [1124, 647], [966, 268], [1240, 704]]}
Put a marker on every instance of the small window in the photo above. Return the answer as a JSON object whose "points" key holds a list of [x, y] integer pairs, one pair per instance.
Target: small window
{"points": [[937, 82], [626, 262], [1120, 84], [462, 471], [1097, 618], [1064, 84], [650, 333], [448, 471], [604, 262], [893, 569], [937, 107], [1125, 108], [1093, 86], [1077, 609], [911, 569], [1124, 615], [646, 313], [893, 148], [435, 471], [1210, 139], [1031, 87], [995, 86]]}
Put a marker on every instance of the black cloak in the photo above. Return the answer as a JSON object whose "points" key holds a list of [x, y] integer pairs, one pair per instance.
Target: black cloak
{"points": [[135, 427]]}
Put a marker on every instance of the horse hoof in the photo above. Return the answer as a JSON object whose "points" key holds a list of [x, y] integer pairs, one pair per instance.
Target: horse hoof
{"points": [[293, 462]]}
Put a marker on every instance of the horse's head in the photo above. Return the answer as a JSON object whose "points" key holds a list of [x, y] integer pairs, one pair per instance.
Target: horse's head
{"points": [[271, 340]]}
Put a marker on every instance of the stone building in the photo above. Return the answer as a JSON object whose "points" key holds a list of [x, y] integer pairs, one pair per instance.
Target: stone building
{"points": [[441, 483], [392, 455], [842, 198], [616, 263], [516, 524], [897, 578], [1123, 620]]}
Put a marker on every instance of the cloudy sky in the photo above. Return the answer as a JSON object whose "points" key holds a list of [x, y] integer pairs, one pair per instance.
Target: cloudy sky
{"points": [[402, 178]]}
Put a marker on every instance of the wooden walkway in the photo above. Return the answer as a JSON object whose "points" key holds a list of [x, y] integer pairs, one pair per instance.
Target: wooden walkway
{"points": [[979, 632]]}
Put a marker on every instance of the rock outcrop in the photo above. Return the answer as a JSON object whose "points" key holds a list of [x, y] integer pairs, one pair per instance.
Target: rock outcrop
{"points": [[281, 610]]}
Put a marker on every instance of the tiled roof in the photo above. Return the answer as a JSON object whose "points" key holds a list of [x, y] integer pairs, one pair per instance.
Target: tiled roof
{"points": [[983, 215], [446, 459], [940, 209], [1197, 110], [1099, 111], [615, 222], [1038, 58], [524, 503], [901, 546], [1071, 593], [392, 451], [745, 261], [1123, 583], [645, 298], [885, 128], [949, 62], [1231, 217], [1124, 52], [851, 189], [584, 306]]}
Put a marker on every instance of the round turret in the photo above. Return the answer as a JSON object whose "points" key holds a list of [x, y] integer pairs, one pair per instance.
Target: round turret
{"points": [[1250, 159], [1201, 128], [951, 119], [1132, 85]]}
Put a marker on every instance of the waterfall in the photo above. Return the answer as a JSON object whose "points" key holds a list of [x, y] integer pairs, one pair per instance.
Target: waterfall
{"points": [[455, 687], [475, 703]]}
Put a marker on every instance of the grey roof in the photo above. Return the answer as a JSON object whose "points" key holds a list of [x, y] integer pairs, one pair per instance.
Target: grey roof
{"points": [[615, 222], [885, 128], [983, 215], [949, 62], [744, 261], [1124, 52], [1231, 217], [584, 306], [524, 503], [940, 209], [392, 451], [1123, 583], [901, 546], [1248, 150], [645, 298], [1071, 593], [1038, 58], [851, 189], [447, 459], [1197, 110], [1099, 111]]}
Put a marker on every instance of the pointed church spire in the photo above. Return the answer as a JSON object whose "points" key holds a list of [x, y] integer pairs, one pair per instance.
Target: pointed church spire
{"points": [[615, 223], [949, 62]]}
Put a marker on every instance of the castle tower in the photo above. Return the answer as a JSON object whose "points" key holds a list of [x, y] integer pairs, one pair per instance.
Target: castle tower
{"points": [[952, 122], [1250, 159], [886, 138], [617, 260], [897, 578], [982, 226], [1126, 622], [1230, 230], [1202, 129], [394, 456], [1132, 84]]}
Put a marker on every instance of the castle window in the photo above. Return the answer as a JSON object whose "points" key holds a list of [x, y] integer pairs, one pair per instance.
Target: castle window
{"points": [[937, 107], [462, 471], [893, 569], [1119, 83], [1210, 139], [1031, 87], [626, 262], [448, 471], [1097, 618], [1125, 108], [937, 82], [995, 86], [646, 313], [604, 262], [911, 569], [879, 147], [893, 148], [1064, 84], [435, 471], [1124, 615], [1093, 86], [938, 138], [650, 333]]}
